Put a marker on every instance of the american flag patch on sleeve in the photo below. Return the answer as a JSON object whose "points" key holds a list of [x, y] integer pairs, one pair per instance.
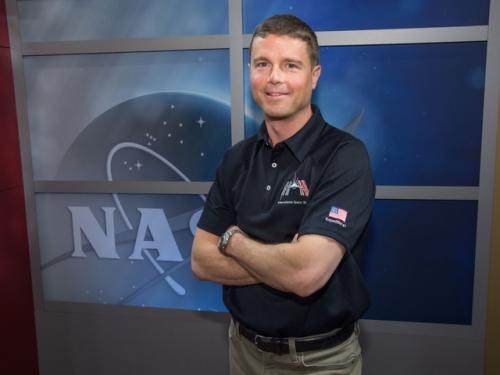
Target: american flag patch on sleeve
{"points": [[337, 213]]}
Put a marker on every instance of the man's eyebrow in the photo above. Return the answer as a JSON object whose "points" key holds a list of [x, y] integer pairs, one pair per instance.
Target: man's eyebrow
{"points": [[259, 58], [297, 62], [286, 60]]}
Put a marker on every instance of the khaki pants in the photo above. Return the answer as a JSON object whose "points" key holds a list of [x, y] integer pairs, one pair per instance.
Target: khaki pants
{"points": [[246, 359]]}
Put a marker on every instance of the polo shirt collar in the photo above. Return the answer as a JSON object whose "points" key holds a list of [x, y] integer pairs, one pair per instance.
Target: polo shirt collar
{"points": [[301, 142]]}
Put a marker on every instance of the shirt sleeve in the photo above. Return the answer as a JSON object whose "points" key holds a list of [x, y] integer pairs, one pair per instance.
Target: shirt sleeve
{"points": [[218, 212], [340, 205]]}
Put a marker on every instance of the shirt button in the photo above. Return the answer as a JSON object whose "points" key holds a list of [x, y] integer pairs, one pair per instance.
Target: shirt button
{"points": [[268, 187], [274, 165]]}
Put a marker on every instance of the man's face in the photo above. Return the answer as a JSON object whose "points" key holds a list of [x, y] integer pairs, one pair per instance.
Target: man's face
{"points": [[282, 77]]}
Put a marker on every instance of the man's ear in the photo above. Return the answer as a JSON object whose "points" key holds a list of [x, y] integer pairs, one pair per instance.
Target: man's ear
{"points": [[316, 72]]}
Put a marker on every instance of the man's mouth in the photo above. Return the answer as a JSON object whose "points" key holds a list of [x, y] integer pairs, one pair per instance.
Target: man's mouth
{"points": [[275, 94]]}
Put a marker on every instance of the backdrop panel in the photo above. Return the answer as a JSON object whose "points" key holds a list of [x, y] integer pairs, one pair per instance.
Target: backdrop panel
{"points": [[88, 110], [105, 19], [418, 108], [367, 14]]}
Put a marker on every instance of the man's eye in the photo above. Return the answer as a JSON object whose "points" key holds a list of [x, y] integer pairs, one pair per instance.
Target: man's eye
{"points": [[261, 64], [291, 66]]}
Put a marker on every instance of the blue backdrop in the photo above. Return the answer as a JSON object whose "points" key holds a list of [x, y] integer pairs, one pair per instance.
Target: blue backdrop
{"points": [[165, 116]]}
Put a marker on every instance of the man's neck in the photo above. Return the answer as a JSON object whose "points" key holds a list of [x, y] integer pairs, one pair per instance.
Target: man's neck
{"points": [[282, 129]]}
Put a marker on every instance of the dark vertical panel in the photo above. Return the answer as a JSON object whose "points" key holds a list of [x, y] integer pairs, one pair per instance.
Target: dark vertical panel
{"points": [[10, 170], [19, 352], [4, 35], [17, 323]]}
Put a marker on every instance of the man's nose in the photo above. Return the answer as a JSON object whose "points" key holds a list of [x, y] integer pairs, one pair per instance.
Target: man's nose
{"points": [[275, 75]]}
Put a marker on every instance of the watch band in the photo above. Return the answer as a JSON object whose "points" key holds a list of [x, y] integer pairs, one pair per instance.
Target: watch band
{"points": [[224, 239]]}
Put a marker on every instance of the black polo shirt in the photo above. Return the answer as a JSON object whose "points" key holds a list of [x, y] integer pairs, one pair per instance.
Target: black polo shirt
{"points": [[318, 181]]}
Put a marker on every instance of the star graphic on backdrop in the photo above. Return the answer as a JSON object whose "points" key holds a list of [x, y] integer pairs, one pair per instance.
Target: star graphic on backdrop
{"points": [[138, 165], [151, 138], [200, 122]]}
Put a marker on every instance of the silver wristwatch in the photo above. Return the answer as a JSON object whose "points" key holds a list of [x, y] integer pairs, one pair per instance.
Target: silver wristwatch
{"points": [[224, 239]]}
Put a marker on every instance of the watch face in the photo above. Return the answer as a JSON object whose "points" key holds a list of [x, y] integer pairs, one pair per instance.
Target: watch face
{"points": [[227, 236], [223, 241]]}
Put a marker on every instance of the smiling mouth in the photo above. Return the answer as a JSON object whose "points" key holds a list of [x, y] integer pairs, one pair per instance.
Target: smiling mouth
{"points": [[276, 94]]}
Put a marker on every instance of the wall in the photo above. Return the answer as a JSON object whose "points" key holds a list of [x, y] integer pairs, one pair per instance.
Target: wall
{"points": [[492, 363], [17, 325]]}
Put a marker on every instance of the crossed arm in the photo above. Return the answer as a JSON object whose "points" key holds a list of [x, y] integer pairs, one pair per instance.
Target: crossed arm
{"points": [[302, 266]]}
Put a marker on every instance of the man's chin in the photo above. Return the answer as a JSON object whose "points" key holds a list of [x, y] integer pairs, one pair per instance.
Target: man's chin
{"points": [[275, 115]]}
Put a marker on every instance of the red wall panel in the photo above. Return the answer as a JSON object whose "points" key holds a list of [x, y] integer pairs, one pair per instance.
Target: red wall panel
{"points": [[10, 171], [4, 35], [17, 325], [18, 351]]}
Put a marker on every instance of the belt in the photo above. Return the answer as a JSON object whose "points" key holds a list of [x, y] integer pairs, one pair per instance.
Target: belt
{"points": [[279, 345]]}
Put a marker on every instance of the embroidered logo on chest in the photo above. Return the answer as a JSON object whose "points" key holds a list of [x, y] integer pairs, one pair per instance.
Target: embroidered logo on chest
{"points": [[295, 191]]}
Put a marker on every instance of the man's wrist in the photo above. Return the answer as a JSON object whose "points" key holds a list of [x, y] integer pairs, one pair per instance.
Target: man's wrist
{"points": [[225, 238]]}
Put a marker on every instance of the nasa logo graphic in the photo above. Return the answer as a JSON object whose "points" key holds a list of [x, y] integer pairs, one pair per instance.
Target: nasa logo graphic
{"points": [[135, 249]]}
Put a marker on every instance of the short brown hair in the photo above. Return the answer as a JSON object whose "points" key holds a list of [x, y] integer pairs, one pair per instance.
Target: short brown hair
{"points": [[294, 27]]}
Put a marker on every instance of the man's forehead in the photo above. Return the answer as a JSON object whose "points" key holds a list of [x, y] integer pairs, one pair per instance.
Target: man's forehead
{"points": [[272, 39], [278, 38]]}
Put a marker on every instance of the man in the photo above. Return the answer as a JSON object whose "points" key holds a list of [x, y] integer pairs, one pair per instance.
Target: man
{"points": [[284, 218]]}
